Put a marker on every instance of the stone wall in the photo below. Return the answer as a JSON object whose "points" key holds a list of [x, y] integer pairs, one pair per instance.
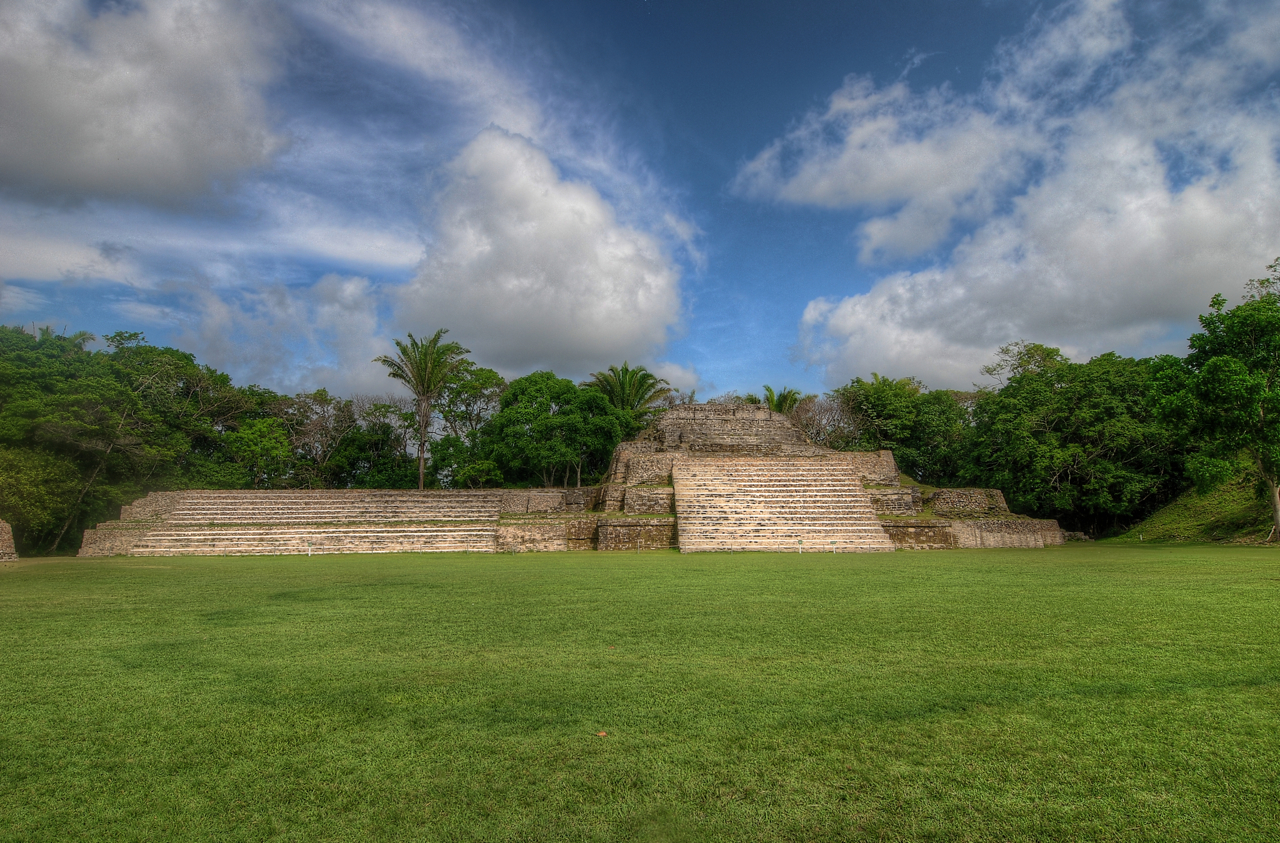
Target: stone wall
{"points": [[941, 534], [6, 542], [637, 533], [650, 500], [896, 500], [1007, 532], [919, 533], [526, 501], [154, 506], [650, 469], [522, 537], [612, 497], [114, 538], [580, 533], [547, 533], [726, 428], [968, 503], [876, 468], [622, 456]]}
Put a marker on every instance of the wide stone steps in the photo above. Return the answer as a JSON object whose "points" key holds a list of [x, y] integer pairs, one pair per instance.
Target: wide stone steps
{"points": [[476, 537], [789, 505], [336, 506]]}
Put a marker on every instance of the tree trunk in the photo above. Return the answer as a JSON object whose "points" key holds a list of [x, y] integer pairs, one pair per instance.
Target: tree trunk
{"points": [[422, 461], [76, 506], [1273, 495]]}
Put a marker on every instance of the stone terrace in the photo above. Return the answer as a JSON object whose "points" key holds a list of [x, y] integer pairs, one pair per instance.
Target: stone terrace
{"points": [[297, 521], [743, 503]]}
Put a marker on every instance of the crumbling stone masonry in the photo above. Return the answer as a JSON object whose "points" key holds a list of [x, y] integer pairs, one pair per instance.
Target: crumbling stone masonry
{"points": [[7, 553], [637, 533], [945, 534], [968, 503]]}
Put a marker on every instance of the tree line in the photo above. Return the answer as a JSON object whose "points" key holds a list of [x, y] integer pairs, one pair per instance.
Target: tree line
{"points": [[1097, 445]]}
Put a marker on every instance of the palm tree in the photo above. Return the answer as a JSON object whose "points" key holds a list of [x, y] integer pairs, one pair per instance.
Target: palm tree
{"points": [[425, 368], [626, 388], [781, 402]]}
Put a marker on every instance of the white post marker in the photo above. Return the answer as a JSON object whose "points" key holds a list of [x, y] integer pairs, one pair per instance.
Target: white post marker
{"points": [[308, 548], [833, 545], [800, 542]]}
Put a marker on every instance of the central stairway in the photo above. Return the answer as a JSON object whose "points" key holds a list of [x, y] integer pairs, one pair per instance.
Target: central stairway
{"points": [[789, 505]]}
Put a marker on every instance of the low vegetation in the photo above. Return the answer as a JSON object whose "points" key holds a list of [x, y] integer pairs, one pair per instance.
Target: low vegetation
{"points": [[1233, 512], [1092, 692]]}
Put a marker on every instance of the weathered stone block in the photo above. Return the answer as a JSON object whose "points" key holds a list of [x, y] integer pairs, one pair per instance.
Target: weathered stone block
{"points": [[876, 468], [155, 505], [546, 500], [919, 533], [532, 537], [636, 533], [114, 538], [611, 497], [1006, 532], [581, 500], [523, 501], [7, 551], [896, 500], [968, 502], [647, 500], [581, 533], [650, 469], [940, 534]]}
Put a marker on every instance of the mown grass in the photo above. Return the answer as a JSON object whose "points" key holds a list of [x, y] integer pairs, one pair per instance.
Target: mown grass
{"points": [[1078, 693]]}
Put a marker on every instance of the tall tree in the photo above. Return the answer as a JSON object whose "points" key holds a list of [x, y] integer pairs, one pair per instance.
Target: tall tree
{"points": [[1080, 442], [425, 368], [636, 390], [470, 398], [1227, 391], [548, 427], [783, 401]]}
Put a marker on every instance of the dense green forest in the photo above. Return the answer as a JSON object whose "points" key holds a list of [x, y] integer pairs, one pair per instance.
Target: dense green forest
{"points": [[1097, 445]]}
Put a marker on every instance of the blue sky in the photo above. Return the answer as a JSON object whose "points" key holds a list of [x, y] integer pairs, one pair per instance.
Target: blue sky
{"points": [[730, 193]]}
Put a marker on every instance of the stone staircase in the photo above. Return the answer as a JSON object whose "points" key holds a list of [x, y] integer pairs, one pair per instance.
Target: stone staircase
{"points": [[211, 523], [746, 503]]}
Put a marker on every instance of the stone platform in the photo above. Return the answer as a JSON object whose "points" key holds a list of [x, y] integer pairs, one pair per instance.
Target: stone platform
{"points": [[702, 477]]}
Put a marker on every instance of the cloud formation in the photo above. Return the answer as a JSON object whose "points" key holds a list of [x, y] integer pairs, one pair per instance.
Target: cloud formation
{"points": [[1096, 192], [290, 339], [155, 100], [532, 271]]}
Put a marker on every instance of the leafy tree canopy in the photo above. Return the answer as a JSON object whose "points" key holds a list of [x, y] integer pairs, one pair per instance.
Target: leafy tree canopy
{"points": [[1226, 393]]}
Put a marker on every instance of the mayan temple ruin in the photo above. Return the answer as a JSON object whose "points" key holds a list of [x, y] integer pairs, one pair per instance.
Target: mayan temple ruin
{"points": [[7, 553], [702, 477]]}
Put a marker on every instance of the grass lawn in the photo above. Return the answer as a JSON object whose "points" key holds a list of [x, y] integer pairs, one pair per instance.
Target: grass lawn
{"points": [[1100, 692]]}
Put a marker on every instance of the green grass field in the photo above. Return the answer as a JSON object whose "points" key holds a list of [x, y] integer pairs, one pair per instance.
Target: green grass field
{"points": [[1094, 692]]}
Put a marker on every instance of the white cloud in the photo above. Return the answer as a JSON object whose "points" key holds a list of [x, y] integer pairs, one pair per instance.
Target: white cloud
{"points": [[680, 377], [478, 75], [1157, 186], [424, 41], [29, 251], [153, 100], [532, 271], [15, 301], [289, 339], [928, 160]]}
